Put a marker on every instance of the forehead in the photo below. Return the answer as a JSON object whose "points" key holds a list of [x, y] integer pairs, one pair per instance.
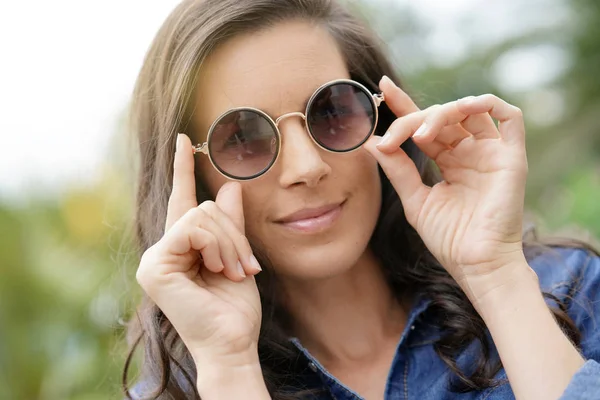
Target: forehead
{"points": [[275, 70]]}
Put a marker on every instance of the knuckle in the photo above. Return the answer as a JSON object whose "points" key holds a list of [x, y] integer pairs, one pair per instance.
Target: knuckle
{"points": [[211, 240], [517, 111], [433, 113], [397, 125], [209, 206], [142, 278], [143, 274], [200, 213], [229, 247], [139, 275], [488, 97], [434, 109], [190, 213]]}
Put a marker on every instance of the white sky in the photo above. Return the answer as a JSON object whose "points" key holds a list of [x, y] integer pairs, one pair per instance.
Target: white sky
{"points": [[66, 72], [68, 67]]}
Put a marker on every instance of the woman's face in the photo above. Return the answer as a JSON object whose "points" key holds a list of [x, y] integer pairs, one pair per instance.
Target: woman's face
{"points": [[277, 70]]}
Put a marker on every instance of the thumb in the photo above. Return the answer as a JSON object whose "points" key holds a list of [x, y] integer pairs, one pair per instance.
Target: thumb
{"points": [[229, 200]]}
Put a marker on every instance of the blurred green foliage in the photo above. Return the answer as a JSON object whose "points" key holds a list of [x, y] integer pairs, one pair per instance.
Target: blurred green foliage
{"points": [[67, 279], [62, 294], [561, 116]]}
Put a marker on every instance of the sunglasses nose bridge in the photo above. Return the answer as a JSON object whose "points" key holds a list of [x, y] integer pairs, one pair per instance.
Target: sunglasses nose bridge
{"points": [[292, 114]]}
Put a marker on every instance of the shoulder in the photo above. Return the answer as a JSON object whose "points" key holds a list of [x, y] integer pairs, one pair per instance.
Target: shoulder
{"points": [[572, 275], [561, 267]]}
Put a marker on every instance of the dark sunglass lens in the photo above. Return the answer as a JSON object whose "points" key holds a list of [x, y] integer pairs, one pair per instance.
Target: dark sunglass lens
{"points": [[243, 144], [341, 117]]}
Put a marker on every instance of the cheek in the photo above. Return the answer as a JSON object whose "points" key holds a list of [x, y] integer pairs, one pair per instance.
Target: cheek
{"points": [[361, 177], [358, 170], [257, 200]]}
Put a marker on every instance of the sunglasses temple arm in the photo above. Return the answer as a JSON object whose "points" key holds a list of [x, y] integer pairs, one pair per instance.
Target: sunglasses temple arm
{"points": [[200, 148], [379, 98]]}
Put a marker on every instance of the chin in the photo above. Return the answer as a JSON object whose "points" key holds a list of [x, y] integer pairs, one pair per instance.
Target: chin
{"points": [[320, 261]]}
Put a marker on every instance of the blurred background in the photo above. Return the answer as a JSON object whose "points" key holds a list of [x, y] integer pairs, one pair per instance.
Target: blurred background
{"points": [[66, 188]]}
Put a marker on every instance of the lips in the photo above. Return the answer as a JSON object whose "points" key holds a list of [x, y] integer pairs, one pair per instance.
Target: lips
{"points": [[309, 213], [310, 221]]}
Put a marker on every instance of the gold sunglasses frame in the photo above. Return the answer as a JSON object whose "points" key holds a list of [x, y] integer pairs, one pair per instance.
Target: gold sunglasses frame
{"points": [[376, 99]]}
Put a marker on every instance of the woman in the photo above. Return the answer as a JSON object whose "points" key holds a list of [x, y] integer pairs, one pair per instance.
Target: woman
{"points": [[379, 278]]}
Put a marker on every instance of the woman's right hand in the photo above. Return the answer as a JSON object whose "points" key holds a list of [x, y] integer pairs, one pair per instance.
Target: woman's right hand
{"points": [[211, 300]]}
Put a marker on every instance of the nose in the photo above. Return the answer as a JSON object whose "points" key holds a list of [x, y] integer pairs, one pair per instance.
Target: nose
{"points": [[300, 158]]}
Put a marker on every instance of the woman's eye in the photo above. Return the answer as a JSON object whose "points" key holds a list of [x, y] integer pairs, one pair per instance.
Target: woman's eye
{"points": [[332, 112], [326, 112], [235, 139], [344, 110]]}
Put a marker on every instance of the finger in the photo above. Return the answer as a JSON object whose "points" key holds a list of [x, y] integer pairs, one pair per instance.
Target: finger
{"points": [[404, 176], [510, 118], [208, 245], [183, 194], [152, 275], [442, 123], [229, 256], [481, 126], [402, 129], [229, 200], [240, 242], [178, 241], [451, 136], [434, 119], [160, 261], [396, 99]]}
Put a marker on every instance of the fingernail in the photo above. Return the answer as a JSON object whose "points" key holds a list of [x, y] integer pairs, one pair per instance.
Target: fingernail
{"points": [[254, 263], [384, 139], [421, 131], [178, 142], [241, 269], [388, 80]]}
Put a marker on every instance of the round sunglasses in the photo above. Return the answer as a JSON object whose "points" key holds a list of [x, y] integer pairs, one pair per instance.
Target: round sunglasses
{"points": [[244, 142]]}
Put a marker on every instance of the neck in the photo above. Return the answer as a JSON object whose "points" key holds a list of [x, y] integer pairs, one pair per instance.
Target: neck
{"points": [[347, 318]]}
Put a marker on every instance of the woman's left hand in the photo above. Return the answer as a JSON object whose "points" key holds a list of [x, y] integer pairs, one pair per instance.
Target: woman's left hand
{"points": [[472, 220]]}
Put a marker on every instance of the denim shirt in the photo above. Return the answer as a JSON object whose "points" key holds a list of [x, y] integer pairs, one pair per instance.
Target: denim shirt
{"points": [[418, 373]]}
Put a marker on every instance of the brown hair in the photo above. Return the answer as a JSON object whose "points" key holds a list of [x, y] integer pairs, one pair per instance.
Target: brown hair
{"points": [[162, 107]]}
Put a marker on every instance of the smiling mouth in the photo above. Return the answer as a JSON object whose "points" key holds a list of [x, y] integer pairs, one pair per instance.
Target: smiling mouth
{"points": [[313, 220]]}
